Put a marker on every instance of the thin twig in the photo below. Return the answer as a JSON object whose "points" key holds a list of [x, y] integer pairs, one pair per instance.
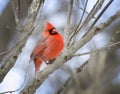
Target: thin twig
{"points": [[94, 31], [98, 17], [10, 58], [67, 28], [16, 11], [18, 8], [101, 13], [87, 12], [77, 4], [4, 52], [81, 17], [79, 69], [94, 10], [99, 50], [83, 66], [64, 57], [67, 82], [79, 24]]}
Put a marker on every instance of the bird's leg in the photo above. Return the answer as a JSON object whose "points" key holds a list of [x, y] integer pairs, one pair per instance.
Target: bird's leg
{"points": [[46, 62], [50, 62]]}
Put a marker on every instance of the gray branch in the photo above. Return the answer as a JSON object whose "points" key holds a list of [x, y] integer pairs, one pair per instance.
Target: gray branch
{"points": [[65, 56], [11, 57]]}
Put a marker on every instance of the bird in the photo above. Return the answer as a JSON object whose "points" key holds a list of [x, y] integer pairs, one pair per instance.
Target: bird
{"points": [[48, 47]]}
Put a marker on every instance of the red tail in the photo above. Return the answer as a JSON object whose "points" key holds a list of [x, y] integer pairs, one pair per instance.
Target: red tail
{"points": [[37, 64]]}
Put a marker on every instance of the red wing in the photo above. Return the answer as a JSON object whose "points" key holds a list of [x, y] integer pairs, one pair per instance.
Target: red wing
{"points": [[39, 48]]}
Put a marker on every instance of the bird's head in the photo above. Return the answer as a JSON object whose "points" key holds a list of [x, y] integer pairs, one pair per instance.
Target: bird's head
{"points": [[50, 29]]}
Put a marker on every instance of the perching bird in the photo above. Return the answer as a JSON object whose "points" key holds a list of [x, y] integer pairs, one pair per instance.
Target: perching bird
{"points": [[48, 46]]}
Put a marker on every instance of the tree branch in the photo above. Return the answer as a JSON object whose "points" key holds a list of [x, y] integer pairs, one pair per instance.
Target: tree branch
{"points": [[79, 24], [65, 56], [79, 69], [10, 59], [67, 82], [67, 28], [94, 10], [93, 32], [87, 12], [102, 49], [100, 14], [4, 52], [16, 11]]}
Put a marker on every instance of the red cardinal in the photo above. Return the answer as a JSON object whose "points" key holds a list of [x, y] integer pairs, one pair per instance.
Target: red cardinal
{"points": [[48, 46]]}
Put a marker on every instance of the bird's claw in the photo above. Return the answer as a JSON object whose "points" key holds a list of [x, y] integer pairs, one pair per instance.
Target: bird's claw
{"points": [[50, 62]]}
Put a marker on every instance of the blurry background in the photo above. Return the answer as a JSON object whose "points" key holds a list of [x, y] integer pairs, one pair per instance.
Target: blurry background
{"points": [[102, 75]]}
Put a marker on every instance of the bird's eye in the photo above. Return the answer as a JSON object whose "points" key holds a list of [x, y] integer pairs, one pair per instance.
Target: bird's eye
{"points": [[53, 31]]}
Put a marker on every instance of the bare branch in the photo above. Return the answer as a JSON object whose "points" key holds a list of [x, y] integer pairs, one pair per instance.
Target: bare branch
{"points": [[10, 59], [94, 31], [77, 4], [79, 69], [104, 9], [67, 28], [19, 7], [64, 57], [94, 10], [86, 12], [79, 24], [16, 11], [102, 49], [4, 52], [66, 83], [103, 25]]}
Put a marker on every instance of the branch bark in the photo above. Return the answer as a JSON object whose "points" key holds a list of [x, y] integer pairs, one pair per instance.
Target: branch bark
{"points": [[95, 73], [94, 10], [94, 31], [10, 58], [65, 56], [16, 11], [116, 44], [67, 28]]}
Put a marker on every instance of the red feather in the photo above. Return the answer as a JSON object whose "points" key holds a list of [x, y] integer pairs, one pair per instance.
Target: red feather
{"points": [[48, 46]]}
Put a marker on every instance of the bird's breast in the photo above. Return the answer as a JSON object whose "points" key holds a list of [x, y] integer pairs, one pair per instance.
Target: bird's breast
{"points": [[54, 47]]}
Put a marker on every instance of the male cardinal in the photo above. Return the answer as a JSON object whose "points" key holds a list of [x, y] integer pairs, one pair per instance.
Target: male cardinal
{"points": [[48, 46]]}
